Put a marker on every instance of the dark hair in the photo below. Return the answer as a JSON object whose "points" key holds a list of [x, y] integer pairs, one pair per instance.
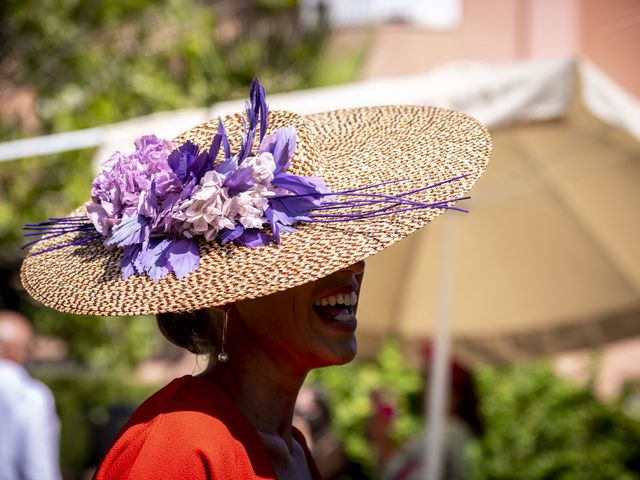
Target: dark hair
{"points": [[195, 331]]}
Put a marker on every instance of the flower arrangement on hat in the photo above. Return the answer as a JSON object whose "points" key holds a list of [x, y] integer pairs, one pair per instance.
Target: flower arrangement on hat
{"points": [[157, 201]]}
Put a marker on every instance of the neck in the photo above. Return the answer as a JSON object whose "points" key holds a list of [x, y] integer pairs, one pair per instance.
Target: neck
{"points": [[263, 389]]}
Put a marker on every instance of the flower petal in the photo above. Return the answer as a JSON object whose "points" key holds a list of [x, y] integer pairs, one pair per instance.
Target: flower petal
{"points": [[130, 231], [129, 259], [183, 256], [253, 237]]}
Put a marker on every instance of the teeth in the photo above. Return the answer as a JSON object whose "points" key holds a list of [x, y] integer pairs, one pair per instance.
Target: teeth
{"points": [[346, 299], [343, 318]]}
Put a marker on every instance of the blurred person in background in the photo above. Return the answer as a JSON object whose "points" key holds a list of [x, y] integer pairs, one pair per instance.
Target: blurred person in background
{"points": [[463, 425], [29, 425], [312, 416]]}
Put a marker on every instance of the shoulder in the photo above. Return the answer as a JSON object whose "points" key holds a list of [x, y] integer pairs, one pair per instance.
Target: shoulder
{"points": [[25, 393], [185, 426]]}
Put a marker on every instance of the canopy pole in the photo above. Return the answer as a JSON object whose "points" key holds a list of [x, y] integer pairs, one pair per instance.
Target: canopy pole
{"points": [[439, 381]]}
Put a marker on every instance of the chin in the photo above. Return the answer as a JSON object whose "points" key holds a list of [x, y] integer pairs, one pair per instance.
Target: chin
{"points": [[342, 354]]}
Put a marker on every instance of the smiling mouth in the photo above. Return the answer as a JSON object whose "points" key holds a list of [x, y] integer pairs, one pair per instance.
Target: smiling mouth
{"points": [[339, 307]]}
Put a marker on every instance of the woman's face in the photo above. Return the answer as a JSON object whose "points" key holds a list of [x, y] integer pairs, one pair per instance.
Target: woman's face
{"points": [[308, 326]]}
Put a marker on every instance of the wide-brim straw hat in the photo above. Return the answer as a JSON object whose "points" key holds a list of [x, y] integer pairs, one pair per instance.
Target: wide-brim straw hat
{"points": [[348, 148]]}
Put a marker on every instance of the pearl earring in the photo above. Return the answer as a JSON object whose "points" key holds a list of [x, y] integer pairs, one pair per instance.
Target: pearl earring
{"points": [[223, 357]]}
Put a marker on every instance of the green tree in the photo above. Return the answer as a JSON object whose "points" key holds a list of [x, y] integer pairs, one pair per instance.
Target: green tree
{"points": [[536, 426], [350, 387], [541, 427]]}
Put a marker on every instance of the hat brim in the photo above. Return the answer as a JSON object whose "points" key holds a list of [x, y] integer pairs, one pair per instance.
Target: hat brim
{"points": [[352, 148]]}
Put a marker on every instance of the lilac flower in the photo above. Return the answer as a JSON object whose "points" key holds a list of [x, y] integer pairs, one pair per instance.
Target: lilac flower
{"points": [[125, 178], [248, 207]]}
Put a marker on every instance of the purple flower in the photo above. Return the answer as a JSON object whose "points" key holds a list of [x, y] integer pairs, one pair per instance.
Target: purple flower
{"points": [[186, 162], [137, 183]]}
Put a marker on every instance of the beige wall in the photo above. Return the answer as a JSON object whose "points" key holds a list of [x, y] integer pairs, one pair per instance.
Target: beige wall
{"points": [[489, 32], [610, 38], [606, 32], [553, 28]]}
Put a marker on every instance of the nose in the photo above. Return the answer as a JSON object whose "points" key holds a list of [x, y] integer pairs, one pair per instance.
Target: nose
{"points": [[356, 269]]}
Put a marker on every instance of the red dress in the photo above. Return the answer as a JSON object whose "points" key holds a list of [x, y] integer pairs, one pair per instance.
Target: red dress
{"points": [[191, 430]]}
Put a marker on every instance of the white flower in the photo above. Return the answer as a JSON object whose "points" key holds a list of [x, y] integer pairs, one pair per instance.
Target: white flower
{"points": [[208, 210], [248, 207], [263, 166]]}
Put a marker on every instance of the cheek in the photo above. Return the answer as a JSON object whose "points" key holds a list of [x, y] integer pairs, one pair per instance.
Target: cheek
{"points": [[277, 316]]}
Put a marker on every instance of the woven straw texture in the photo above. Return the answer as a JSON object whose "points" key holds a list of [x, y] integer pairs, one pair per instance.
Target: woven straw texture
{"points": [[348, 149]]}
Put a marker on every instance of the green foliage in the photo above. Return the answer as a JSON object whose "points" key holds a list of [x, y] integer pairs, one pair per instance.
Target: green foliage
{"points": [[349, 388], [83, 403], [537, 426], [541, 427], [108, 346]]}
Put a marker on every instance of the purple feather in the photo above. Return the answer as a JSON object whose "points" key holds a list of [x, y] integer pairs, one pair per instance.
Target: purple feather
{"points": [[239, 180], [182, 158], [214, 149], [257, 113], [224, 139], [282, 145], [253, 237], [130, 231], [183, 256], [227, 235], [129, 259], [258, 100], [279, 222], [153, 259], [301, 185]]}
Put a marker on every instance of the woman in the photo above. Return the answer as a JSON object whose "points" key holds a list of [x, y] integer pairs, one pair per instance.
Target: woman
{"points": [[255, 230]]}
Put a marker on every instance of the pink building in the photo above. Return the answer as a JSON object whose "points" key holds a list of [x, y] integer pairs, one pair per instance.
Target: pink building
{"points": [[413, 36]]}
